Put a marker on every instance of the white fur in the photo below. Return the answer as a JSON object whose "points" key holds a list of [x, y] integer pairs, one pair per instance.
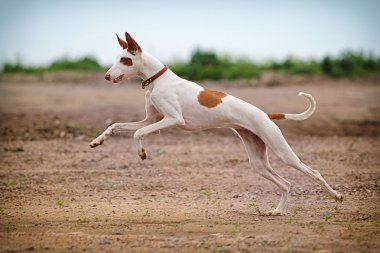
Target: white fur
{"points": [[306, 114], [172, 101]]}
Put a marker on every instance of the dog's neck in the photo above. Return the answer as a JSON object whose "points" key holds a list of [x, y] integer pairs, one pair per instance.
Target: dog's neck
{"points": [[150, 66]]}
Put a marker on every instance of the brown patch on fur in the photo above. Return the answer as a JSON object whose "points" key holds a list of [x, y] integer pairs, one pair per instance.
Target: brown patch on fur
{"points": [[210, 98], [126, 61], [276, 115]]}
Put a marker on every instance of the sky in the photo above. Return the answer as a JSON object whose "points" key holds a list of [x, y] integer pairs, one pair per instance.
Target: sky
{"points": [[39, 31]]}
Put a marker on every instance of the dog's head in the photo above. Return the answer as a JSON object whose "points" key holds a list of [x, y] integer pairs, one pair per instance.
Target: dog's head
{"points": [[127, 63]]}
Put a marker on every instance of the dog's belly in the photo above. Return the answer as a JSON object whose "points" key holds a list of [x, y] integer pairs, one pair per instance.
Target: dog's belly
{"points": [[231, 113], [198, 117], [205, 121]]}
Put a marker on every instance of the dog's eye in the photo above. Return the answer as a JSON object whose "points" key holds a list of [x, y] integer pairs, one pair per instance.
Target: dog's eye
{"points": [[126, 61]]}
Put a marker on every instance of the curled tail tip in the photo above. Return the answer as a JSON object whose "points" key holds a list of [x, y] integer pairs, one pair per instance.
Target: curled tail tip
{"points": [[304, 94], [308, 96], [306, 114]]}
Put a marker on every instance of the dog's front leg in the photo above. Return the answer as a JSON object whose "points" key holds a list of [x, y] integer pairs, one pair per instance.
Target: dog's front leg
{"points": [[166, 122], [151, 117], [119, 128]]}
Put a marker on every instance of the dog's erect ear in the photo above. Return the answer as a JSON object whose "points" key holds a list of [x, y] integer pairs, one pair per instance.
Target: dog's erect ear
{"points": [[133, 47], [122, 43]]}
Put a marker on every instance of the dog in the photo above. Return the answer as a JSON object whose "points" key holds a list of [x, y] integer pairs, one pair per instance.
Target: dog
{"points": [[171, 101]]}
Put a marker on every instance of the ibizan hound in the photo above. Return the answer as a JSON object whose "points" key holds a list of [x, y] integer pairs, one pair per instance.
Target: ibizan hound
{"points": [[171, 101]]}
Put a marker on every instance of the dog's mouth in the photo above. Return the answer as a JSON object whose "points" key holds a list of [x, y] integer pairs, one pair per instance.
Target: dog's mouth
{"points": [[118, 79]]}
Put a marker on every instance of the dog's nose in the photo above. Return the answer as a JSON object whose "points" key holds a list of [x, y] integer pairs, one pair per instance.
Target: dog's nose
{"points": [[107, 77]]}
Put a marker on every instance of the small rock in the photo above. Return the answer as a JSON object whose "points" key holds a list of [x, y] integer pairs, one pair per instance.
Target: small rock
{"points": [[62, 134], [105, 242], [81, 137]]}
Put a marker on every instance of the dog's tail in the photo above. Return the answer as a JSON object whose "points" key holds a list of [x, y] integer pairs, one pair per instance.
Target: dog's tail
{"points": [[301, 116]]}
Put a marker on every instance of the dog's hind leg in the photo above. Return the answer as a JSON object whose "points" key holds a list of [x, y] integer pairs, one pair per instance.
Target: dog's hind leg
{"points": [[258, 158], [274, 139]]}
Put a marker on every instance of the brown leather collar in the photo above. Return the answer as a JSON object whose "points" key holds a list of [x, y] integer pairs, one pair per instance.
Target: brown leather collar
{"points": [[154, 77]]}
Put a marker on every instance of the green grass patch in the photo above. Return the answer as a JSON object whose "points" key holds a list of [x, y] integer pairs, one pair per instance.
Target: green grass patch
{"points": [[82, 220], [207, 193], [59, 203]]}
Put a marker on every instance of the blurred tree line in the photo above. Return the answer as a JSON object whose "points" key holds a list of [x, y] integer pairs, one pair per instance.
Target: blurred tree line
{"points": [[209, 65], [87, 63]]}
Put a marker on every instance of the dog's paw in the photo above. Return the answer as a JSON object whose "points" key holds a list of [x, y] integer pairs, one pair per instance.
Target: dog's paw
{"points": [[142, 154], [96, 143], [273, 212], [339, 197]]}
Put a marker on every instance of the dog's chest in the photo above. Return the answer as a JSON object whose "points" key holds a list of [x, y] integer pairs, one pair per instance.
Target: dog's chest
{"points": [[158, 109]]}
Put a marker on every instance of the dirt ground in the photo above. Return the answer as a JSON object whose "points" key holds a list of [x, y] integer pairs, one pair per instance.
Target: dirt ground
{"points": [[196, 191]]}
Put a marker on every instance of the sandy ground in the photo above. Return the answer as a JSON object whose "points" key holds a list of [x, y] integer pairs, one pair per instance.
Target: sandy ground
{"points": [[196, 191]]}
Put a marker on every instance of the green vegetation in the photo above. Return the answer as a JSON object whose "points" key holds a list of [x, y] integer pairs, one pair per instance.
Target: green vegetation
{"points": [[214, 249], [87, 63], [235, 228], [289, 221], [337, 209], [207, 193], [327, 217], [59, 203], [82, 220], [209, 65]]}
